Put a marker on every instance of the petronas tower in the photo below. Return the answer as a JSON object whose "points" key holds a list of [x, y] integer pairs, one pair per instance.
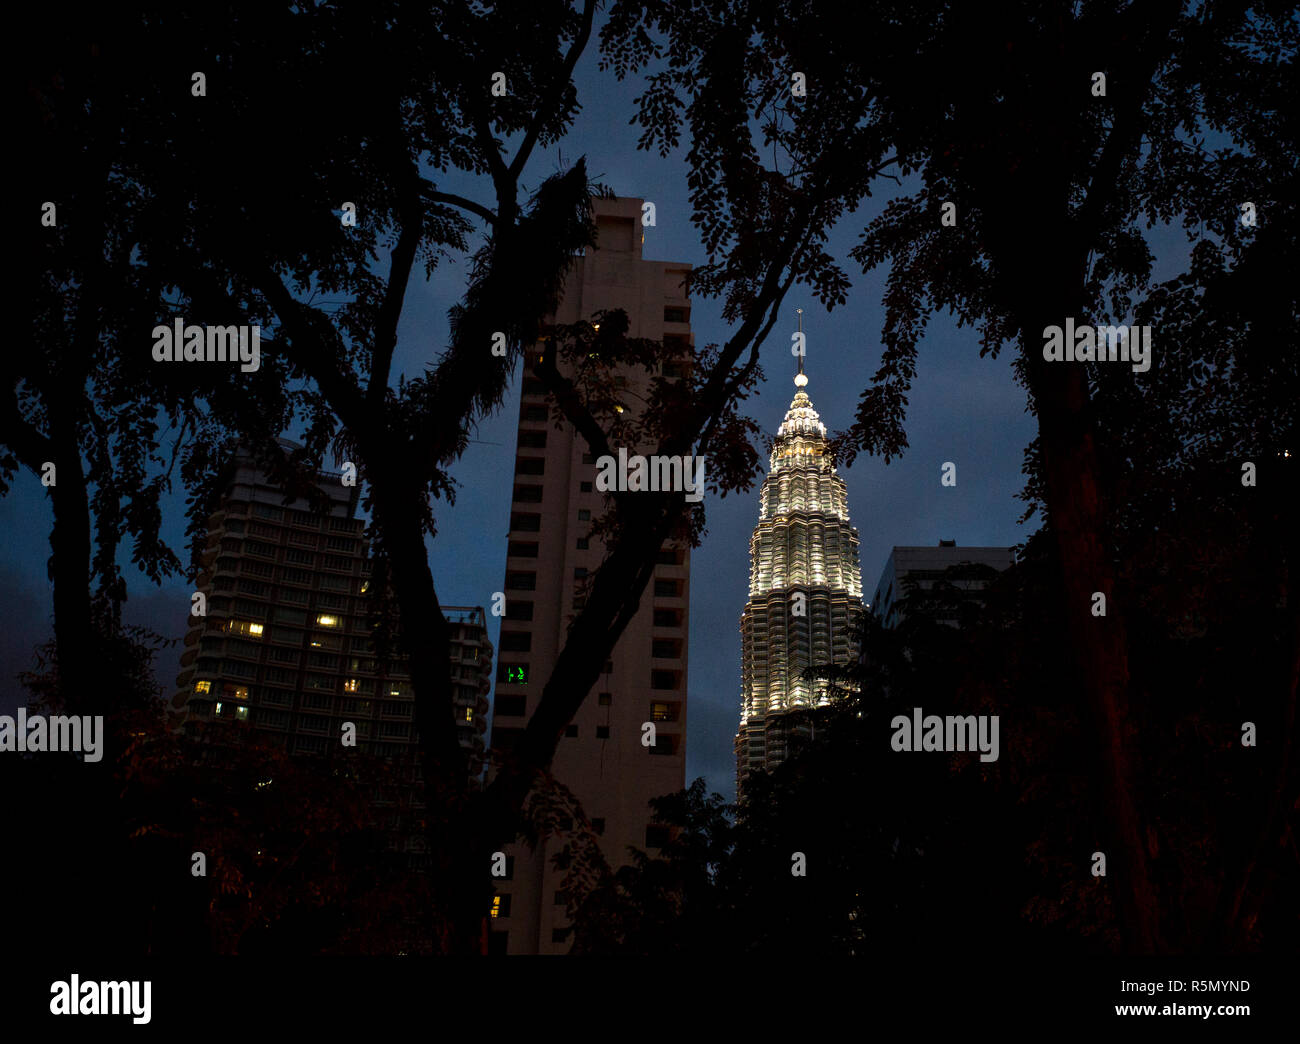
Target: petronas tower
{"points": [[805, 587]]}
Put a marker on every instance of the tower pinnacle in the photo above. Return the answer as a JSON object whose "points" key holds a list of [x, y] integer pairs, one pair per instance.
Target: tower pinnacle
{"points": [[800, 378]]}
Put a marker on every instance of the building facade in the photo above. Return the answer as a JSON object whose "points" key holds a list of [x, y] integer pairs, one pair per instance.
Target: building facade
{"points": [[285, 646], [550, 556], [915, 570], [805, 589]]}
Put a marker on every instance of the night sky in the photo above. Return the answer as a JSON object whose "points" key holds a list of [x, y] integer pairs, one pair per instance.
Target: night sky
{"points": [[963, 408]]}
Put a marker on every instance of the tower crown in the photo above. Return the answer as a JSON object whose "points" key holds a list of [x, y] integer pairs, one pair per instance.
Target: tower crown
{"points": [[801, 418]]}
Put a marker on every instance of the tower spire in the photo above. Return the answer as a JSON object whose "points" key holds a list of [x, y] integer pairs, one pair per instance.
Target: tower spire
{"points": [[800, 378]]}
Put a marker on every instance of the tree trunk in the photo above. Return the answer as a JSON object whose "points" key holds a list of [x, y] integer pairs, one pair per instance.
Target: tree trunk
{"points": [[1076, 514], [460, 886], [70, 571]]}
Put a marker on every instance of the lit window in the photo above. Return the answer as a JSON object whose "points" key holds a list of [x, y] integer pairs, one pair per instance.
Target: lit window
{"points": [[351, 685], [218, 706], [203, 686], [327, 621], [255, 629], [496, 906], [241, 713], [241, 692], [469, 713]]}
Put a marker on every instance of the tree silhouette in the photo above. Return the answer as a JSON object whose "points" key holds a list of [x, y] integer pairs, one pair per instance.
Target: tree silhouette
{"points": [[367, 105], [997, 113]]}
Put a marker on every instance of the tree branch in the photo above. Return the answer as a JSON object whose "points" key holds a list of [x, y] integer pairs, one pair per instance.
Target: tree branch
{"points": [[298, 320], [576, 413], [30, 447], [399, 275], [1127, 128], [451, 199], [739, 378], [712, 396], [552, 103]]}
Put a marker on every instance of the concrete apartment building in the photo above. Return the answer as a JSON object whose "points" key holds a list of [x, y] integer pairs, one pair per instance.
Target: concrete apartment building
{"points": [[286, 648], [549, 557], [918, 568]]}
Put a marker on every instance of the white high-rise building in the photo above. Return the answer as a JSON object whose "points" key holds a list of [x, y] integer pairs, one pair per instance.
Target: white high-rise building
{"points": [[550, 557], [805, 587]]}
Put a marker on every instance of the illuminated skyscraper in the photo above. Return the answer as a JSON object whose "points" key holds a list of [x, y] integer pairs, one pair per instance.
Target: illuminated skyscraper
{"points": [[805, 587]]}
